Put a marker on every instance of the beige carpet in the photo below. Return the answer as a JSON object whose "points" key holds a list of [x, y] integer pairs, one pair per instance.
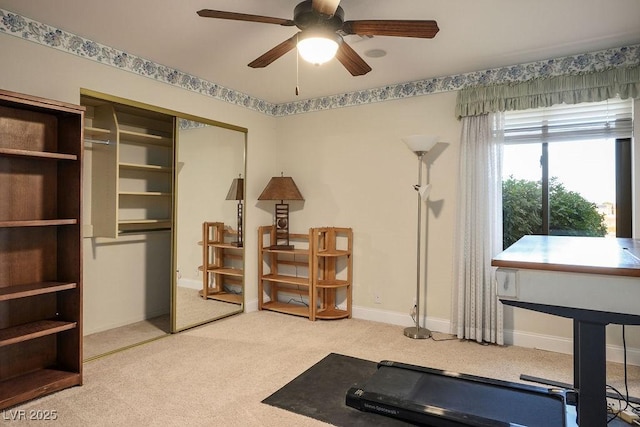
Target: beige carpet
{"points": [[191, 310], [104, 342], [218, 374]]}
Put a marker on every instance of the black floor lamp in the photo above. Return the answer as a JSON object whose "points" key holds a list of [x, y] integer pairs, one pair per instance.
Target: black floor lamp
{"points": [[419, 144]]}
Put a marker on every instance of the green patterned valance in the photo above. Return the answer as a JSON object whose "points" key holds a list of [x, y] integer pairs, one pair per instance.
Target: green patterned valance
{"points": [[545, 92]]}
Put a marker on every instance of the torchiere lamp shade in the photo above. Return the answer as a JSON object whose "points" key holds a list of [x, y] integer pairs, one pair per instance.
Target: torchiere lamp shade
{"points": [[420, 143], [281, 188], [236, 192]]}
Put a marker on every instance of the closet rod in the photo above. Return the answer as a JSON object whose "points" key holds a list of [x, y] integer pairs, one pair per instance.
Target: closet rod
{"points": [[97, 141]]}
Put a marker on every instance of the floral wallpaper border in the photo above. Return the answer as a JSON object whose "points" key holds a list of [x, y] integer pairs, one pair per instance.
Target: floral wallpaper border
{"points": [[28, 29]]}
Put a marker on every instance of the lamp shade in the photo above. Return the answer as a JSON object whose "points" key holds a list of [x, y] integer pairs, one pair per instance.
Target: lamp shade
{"points": [[236, 191], [424, 191], [281, 188], [318, 48], [420, 143]]}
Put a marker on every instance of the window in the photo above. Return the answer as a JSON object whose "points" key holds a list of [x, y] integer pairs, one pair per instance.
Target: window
{"points": [[567, 171]]}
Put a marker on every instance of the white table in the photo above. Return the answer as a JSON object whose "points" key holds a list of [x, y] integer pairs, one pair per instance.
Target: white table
{"points": [[594, 281]]}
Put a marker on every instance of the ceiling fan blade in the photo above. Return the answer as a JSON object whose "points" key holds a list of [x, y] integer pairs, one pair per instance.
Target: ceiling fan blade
{"points": [[275, 53], [208, 13], [396, 28], [325, 7], [351, 60]]}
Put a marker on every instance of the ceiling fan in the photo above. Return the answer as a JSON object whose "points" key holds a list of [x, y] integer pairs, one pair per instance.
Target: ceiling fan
{"points": [[324, 20]]}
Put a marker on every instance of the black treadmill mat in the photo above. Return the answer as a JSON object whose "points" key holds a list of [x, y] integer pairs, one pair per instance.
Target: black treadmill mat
{"points": [[488, 399], [319, 393]]}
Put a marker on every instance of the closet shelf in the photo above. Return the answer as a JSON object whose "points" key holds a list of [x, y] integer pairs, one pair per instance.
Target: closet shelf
{"points": [[145, 167], [94, 132], [33, 330], [135, 169], [127, 136], [144, 193], [33, 289], [144, 221]]}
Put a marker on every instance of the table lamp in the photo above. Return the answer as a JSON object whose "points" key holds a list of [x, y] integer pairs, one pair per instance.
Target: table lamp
{"points": [[281, 188], [236, 192]]}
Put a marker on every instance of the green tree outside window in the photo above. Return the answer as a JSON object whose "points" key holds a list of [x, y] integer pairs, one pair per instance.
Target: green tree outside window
{"points": [[571, 214]]}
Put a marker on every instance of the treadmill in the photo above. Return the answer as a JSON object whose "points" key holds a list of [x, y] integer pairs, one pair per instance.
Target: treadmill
{"points": [[438, 398]]}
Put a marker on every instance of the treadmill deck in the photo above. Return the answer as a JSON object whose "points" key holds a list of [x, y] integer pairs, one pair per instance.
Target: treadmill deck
{"points": [[440, 398]]}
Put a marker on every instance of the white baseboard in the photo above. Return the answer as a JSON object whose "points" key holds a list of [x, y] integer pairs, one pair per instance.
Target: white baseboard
{"points": [[190, 283], [553, 343], [615, 353], [383, 316], [400, 319], [542, 342], [250, 306]]}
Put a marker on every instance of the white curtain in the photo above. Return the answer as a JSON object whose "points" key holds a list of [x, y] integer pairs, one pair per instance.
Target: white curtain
{"points": [[477, 313]]}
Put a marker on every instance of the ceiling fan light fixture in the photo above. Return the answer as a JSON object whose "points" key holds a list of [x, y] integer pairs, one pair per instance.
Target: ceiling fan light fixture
{"points": [[318, 48], [322, 28]]}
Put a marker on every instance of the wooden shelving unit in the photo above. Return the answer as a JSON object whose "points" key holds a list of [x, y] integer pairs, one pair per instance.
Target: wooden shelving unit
{"points": [[40, 247], [132, 154], [332, 250], [284, 275], [222, 264], [36, 154], [305, 281]]}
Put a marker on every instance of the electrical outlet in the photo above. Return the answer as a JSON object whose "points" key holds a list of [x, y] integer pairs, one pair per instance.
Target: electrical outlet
{"points": [[376, 298]]}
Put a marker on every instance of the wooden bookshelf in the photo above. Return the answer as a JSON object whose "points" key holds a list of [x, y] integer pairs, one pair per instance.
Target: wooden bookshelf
{"points": [[222, 264], [41, 154], [305, 281]]}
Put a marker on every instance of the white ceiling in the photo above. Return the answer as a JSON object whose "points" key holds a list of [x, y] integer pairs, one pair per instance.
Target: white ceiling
{"points": [[474, 35]]}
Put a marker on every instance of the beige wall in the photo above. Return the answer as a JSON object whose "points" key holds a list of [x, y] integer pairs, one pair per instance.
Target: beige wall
{"points": [[113, 267], [353, 170]]}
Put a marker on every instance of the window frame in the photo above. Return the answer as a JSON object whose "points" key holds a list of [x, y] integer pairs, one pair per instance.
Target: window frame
{"points": [[623, 178], [627, 161]]}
